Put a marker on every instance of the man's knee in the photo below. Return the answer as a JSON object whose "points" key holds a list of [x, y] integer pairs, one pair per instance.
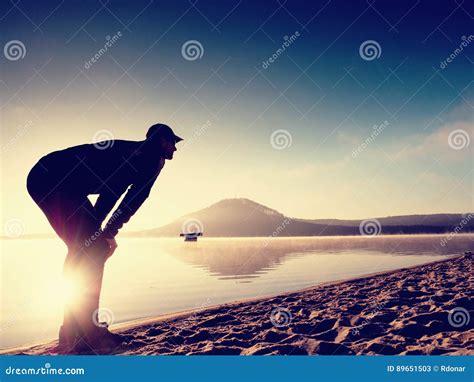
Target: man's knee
{"points": [[99, 247]]}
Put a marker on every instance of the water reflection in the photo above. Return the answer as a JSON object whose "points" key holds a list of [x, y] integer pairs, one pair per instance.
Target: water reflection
{"points": [[248, 258]]}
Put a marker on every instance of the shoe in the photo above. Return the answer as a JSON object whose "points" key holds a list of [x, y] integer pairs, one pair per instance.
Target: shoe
{"points": [[67, 339], [100, 339]]}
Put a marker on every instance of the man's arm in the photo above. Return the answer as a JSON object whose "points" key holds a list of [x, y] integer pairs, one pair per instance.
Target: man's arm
{"points": [[134, 198], [104, 204]]}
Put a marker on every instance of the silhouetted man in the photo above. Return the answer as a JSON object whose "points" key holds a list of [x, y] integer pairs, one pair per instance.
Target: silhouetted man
{"points": [[60, 183]]}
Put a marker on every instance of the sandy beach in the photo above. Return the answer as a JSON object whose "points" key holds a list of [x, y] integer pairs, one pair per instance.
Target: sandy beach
{"points": [[421, 310]]}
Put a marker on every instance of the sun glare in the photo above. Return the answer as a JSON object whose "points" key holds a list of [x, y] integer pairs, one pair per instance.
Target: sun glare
{"points": [[70, 288]]}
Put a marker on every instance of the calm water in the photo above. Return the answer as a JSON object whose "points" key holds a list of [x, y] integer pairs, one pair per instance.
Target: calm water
{"points": [[148, 277]]}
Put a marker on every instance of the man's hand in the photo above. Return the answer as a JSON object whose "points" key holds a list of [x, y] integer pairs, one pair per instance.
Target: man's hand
{"points": [[113, 246]]}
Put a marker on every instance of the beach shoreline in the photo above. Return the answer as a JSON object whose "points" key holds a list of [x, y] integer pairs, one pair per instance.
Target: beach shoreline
{"points": [[405, 311]]}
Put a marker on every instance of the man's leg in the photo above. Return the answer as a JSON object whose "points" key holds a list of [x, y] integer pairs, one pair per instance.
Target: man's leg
{"points": [[88, 261], [90, 270], [84, 266], [70, 328], [53, 201], [83, 274], [73, 219]]}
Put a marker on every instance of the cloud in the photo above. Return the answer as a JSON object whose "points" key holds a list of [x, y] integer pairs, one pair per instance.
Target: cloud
{"points": [[461, 112], [451, 142]]}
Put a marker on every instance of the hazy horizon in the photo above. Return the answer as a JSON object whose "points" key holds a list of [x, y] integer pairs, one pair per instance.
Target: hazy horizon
{"points": [[52, 234]]}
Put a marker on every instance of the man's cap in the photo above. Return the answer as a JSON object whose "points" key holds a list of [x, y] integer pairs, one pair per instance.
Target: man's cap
{"points": [[161, 130]]}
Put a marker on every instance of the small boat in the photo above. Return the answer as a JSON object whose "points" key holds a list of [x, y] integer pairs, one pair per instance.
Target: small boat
{"points": [[190, 236]]}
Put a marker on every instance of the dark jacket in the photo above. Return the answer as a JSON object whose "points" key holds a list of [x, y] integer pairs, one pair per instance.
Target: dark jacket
{"points": [[107, 169]]}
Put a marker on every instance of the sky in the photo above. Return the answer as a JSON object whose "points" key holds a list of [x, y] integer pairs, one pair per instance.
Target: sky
{"points": [[325, 110]]}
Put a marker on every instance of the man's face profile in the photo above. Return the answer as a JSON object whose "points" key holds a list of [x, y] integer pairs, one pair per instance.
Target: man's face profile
{"points": [[169, 147]]}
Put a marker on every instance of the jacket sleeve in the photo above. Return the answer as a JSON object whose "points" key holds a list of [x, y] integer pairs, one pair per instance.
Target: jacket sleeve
{"points": [[104, 204], [137, 193]]}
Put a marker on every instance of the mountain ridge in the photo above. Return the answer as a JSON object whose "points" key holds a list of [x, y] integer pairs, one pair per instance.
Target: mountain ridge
{"points": [[242, 217]]}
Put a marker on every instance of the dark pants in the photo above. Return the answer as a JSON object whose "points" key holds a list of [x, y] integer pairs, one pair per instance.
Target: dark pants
{"points": [[72, 216]]}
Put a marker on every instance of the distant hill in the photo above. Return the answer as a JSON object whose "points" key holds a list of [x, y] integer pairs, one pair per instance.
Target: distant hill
{"points": [[441, 220], [243, 217]]}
